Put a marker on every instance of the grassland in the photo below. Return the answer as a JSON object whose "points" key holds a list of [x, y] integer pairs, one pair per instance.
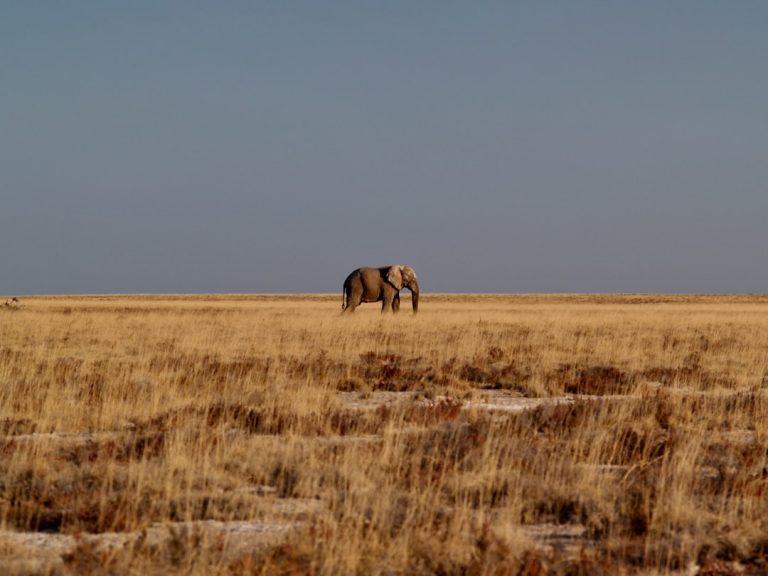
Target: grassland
{"points": [[487, 435]]}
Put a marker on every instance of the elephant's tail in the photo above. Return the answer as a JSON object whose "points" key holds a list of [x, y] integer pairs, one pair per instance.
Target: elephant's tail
{"points": [[343, 298]]}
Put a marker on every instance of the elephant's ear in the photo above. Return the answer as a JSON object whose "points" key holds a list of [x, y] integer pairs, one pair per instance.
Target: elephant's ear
{"points": [[409, 275], [395, 276]]}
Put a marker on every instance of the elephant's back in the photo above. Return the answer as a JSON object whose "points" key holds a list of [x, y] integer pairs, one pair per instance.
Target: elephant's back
{"points": [[351, 276]]}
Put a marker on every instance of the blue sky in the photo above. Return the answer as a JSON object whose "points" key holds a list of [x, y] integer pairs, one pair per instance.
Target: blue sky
{"points": [[275, 146]]}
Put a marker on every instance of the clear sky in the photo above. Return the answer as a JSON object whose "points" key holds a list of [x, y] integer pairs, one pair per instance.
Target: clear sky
{"points": [[539, 146]]}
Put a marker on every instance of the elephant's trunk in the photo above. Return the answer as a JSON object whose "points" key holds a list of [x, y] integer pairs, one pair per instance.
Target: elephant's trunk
{"points": [[415, 296]]}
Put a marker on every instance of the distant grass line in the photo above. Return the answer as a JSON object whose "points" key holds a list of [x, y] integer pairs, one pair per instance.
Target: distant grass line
{"points": [[459, 297]]}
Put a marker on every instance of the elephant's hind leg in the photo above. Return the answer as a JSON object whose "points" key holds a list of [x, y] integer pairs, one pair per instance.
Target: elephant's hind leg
{"points": [[354, 299]]}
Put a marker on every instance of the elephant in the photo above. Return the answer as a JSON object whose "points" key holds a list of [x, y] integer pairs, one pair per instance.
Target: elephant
{"points": [[380, 285]]}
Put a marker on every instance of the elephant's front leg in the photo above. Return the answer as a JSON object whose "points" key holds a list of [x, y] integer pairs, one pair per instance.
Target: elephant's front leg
{"points": [[387, 301], [396, 303]]}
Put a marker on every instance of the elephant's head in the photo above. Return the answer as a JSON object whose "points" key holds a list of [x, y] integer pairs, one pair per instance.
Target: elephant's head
{"points": [[405, 277]]}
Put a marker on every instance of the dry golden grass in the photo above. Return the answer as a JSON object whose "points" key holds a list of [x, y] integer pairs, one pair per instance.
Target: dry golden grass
{"points": [[270, 434]]}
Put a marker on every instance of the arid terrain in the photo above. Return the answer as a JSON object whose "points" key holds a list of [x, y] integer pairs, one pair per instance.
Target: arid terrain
{"points": [[488, 435]]}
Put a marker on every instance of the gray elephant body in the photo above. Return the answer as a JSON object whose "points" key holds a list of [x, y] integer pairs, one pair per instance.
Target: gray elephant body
{"points": [[380, 285]]}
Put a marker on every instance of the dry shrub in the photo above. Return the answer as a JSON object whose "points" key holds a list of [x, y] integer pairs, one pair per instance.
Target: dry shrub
{"points": [[393, 373], [353, 384], [497, 376], [594, 380], [16, 426]]}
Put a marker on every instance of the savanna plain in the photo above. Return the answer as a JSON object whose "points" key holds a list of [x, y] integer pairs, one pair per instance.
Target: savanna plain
{"points": [[530, 435]]}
